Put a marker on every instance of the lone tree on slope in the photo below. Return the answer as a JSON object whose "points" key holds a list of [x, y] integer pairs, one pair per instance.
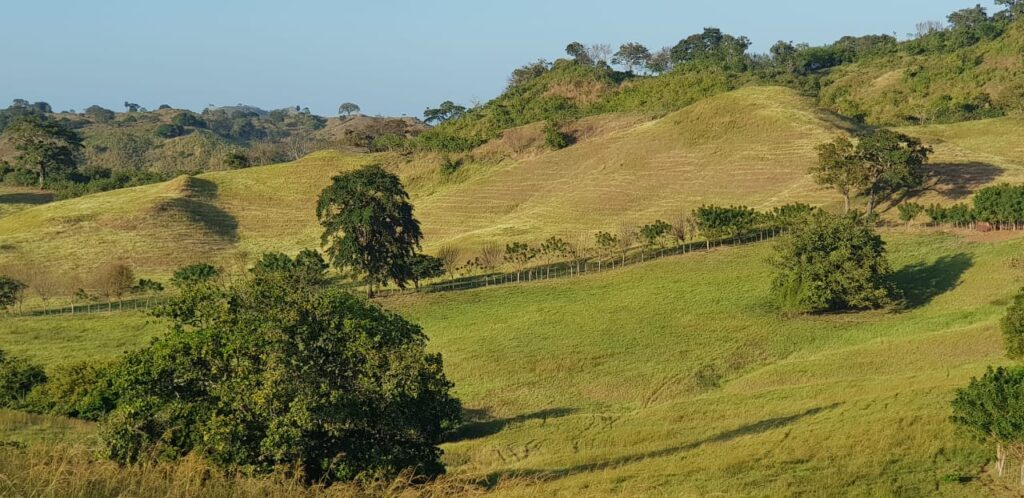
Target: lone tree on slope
{"points": [[369, 228], [347, 109]]}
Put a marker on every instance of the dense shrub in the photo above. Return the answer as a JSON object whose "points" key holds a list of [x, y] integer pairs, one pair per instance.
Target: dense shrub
{"points": [[264, 375], [1001, 205], [989, 410], [1013, 328], [716, 222], [17, 377], [80, 390], [831, 263]]}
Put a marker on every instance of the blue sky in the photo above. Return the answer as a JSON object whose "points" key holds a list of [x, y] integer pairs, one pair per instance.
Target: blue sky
{"points": [[391, 57]]}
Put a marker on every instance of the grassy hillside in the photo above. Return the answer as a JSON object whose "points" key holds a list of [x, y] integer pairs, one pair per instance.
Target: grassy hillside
{"points": [[751, 146], [946, 86], [683, 381]]}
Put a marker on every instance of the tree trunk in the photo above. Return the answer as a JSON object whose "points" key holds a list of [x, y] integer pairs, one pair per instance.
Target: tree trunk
{"points": [[1000, 459], [42, 174], [846, 202], [871, 201]]}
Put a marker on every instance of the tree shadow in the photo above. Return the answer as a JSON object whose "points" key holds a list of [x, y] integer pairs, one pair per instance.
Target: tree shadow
{"points": [[747, 430], [480, 424], [34, 198], [922, 282], [956, 181]]}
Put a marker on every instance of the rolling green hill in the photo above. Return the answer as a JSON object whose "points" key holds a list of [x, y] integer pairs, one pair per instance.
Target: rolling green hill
{"points": [[751, 146], [682, 380]]}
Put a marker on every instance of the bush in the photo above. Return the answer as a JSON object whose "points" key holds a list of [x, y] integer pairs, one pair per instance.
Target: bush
{"points": [[988, 409], [832, 263], [169, 131], [17, 377], [715, 222], [266, 375], [80, 390], [1013, 328], [554, 138]]}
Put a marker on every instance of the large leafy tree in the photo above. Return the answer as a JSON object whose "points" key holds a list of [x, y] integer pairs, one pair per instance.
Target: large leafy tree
{"points": [[839, 168], [891, 162], [44, 146], [447, 110], [12, 291], [831, 263], [714, 47], [882, 162], [347, 109], [369, 227], [269, 374], [632, 55], [991, 409]]}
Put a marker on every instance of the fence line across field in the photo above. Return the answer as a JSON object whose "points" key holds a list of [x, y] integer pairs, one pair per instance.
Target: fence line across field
{"points": [[562, 269]]}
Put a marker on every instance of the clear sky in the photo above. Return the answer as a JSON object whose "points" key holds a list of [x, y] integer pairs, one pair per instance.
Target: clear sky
{"points": [[391, 57]]}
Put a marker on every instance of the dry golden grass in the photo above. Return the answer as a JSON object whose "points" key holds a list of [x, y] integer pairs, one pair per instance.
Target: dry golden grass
{"points": [[752, 147]]}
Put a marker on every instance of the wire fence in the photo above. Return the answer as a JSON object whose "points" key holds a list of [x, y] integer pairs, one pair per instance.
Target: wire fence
{"points": [[580, 267], [557, 270]]}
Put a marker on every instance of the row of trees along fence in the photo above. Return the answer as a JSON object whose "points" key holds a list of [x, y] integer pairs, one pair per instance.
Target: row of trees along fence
{"points": [[557, 257], [1000, 206], [565, 257]]}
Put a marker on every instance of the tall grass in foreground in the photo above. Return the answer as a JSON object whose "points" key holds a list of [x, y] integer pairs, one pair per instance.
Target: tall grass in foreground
{"points": [[65, 471]]}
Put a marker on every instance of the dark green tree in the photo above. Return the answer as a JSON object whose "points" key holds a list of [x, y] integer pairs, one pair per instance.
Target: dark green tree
{"points": [[423, 267], [347, 109], [578, 52], [632, 55], [839, 167], [265, 374], [991, 410], [17, 377], [369, 227], [447, 110], [191, 275], [712, 46], [831, 263], [99, 114], [12, 291], [44, 146], [891, 163], [1013, 328]]}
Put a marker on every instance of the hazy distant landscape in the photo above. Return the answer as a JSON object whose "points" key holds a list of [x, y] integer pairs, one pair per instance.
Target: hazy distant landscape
{"points": [[637, 271]]}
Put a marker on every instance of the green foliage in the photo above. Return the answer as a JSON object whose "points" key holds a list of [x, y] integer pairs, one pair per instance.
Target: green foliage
{"points": [[1001, 205], [1013, 328], [44, 146], [169, 131], [909, 211], [632, 55], [713, 47], [347, 109], [789, 215], [308, 268], [716, 222], [17, 377], [519, 254], [425, 266], [188, 119], [989, 409], [449, 165], [80, 390], [447, 110], [654, 233], [369, 227], [193, 275], [957, 214], [12, 291], [265, 375], [553, 137], [831, 263], [99, 114]]}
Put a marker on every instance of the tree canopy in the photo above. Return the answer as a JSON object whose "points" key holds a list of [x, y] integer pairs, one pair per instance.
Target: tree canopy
{"points": [[44, 146], [369, 228], [266, 374], [831, 263]]}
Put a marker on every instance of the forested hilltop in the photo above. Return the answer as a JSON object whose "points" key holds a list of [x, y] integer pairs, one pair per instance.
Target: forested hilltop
{"points": [[968, 67], [99, 149]]}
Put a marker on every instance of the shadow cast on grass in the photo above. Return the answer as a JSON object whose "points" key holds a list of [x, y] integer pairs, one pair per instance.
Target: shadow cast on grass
{"points": [[746, 430], [958, 180], [33, 198], [480, 424], [922, 282]]}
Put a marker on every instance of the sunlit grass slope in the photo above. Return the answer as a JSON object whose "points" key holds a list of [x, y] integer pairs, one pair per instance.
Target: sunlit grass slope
{"points": [[751, 146], [677, 378]]}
